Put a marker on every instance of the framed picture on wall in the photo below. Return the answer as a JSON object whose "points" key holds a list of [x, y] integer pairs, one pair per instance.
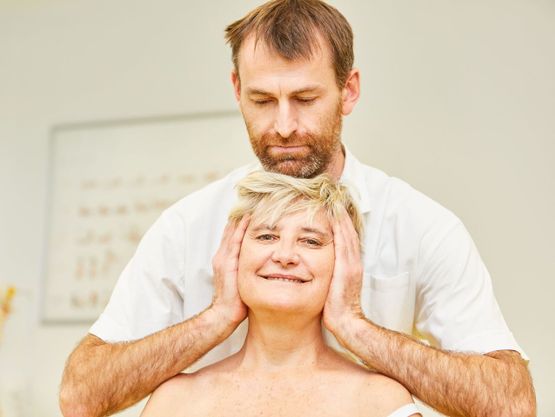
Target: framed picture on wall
{"points": [[108, 182]]}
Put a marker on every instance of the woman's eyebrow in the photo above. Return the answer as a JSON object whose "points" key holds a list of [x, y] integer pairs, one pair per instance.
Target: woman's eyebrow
{"points": [[316, 231], [306, 229], [263, 227]]}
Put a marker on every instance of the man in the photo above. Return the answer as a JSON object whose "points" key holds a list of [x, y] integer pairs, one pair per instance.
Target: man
{"points": [[420, 273]]}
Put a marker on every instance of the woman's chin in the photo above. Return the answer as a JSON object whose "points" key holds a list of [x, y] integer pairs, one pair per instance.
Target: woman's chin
{"points": [[282, 296], [284, 306]]}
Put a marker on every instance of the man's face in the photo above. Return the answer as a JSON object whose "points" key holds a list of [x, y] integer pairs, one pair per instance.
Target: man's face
{"points": [[292, 109]]}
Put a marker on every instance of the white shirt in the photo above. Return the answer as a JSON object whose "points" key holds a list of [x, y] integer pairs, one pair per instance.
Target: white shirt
{"points": [[422, 272]]}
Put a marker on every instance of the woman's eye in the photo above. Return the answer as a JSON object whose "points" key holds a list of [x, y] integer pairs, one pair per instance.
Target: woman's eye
{"points": [[266, 237], [312, 242]]}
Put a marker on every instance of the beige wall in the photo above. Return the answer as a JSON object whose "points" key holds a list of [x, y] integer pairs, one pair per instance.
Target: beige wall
{"points": [[458, 99]]}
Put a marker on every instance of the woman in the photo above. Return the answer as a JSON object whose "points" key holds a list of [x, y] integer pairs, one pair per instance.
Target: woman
{"points": [[284, 367]]}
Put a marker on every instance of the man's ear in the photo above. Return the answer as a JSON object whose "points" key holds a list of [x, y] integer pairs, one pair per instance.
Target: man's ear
{"points": [[351, 92], [236, 85]]}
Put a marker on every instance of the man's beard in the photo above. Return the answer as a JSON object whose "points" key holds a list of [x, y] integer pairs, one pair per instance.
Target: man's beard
{"points": [[320, 149]]}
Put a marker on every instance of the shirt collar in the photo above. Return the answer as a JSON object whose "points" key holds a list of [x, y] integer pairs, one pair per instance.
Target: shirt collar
{"points": [[354, 178]]}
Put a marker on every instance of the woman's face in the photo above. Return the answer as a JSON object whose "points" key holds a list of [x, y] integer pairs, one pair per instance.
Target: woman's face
{"points": [[287, 267]]}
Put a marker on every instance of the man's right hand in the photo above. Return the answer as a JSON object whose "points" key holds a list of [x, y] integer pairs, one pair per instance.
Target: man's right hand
{"points": [[225, 264], [102, 378]]}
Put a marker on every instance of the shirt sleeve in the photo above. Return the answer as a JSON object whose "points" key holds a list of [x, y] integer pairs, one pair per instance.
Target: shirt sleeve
{"points": [[456, 307], [148, 294]]}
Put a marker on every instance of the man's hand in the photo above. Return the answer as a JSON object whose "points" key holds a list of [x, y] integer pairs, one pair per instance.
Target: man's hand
{"points": [[343, 302], [102, 378], [225, 263], [456, 384]]}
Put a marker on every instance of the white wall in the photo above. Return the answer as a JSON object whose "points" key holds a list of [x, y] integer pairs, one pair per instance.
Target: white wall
{"points": [[458, 99]]}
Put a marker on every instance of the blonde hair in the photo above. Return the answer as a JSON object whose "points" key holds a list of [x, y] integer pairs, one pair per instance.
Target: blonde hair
{"points": [[269, 196]]}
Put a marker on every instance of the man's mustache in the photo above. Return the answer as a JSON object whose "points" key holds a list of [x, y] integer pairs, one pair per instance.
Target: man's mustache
{"points": [[273, 139]]}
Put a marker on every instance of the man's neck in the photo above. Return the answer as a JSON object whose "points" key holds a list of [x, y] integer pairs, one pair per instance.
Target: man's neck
{"points": [[337, 163]]}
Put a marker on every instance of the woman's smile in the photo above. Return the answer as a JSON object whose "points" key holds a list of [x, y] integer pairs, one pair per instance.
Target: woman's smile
{"points": [[285, 278]]}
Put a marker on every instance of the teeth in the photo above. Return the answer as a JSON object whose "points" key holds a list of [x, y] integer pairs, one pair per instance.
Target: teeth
{"points": [[285, 279]]}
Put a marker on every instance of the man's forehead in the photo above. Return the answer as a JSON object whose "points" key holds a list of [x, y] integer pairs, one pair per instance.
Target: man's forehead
{"points": [[255, 41], [259, 64], [254, 49]]}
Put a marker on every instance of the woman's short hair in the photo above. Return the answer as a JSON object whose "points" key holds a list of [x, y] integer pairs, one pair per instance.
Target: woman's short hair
{"points": [[269, 196]]}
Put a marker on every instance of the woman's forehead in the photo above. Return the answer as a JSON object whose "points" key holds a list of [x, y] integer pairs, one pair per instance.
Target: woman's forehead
{"points": [[301, 220]]}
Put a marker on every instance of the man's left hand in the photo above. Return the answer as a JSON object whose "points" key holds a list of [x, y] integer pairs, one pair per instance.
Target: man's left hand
{"points": [[343, 302]]}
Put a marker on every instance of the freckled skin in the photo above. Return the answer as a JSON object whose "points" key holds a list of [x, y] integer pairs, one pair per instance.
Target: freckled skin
{"points": [[333, 388], [284, 367]]}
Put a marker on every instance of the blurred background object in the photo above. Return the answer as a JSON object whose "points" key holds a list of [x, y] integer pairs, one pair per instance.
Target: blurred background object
{"points": [[6, 297]]}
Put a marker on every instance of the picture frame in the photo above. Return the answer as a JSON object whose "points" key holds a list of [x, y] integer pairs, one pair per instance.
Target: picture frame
{"points": [[108, 181]]}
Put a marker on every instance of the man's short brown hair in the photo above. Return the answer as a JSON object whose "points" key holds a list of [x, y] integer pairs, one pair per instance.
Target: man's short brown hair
{"points": [[291, 28]]}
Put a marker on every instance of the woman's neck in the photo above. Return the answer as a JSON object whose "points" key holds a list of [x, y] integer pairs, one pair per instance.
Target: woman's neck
{"points": [[276, 342]]}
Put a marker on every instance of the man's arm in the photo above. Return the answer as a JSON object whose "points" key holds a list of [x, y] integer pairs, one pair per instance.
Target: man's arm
{"points": [[103, 378], [456, 384]]}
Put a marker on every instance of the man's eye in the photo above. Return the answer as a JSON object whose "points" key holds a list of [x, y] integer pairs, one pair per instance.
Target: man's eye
{"points": [[261, 102], [306, 100]]}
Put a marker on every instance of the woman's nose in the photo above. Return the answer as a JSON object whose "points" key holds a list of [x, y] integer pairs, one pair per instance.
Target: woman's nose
{"points": [[285, 254]]}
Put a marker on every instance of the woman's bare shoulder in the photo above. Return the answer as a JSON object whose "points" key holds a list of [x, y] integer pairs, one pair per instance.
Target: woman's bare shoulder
{"points": [[382, 394], [167, 397], [369, 380], [369, 393], [181, 390]]}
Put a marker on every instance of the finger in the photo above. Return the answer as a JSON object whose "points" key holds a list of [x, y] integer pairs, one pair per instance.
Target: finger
{"points": [[237, 236], [340, 235], [340, 247], [223, 250], [349, 234], [352, 250], [240, 229]]}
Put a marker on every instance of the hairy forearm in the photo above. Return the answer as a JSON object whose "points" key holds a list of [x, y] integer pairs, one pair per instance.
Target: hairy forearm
{"points": [[456, 384], [102, 378]]}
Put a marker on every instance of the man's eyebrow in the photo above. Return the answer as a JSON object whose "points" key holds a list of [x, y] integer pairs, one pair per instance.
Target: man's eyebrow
{"points": [[261, 92]]}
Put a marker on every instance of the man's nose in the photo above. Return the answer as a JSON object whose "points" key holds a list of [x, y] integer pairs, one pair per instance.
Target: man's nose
{"points": [[285, 254], [286, 120]]}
